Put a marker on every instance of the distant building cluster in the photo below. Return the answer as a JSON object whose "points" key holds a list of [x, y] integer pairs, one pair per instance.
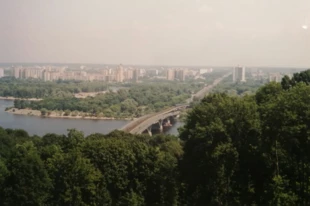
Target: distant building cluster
{"points": [[239, 75], [270, 76], [181, 73], [275, 77], [1, 73], [205, 71], [111, 73], [176, 74], [120, 73], [47, 73]]}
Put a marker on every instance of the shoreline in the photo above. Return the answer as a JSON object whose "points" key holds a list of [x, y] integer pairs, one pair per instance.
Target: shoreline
{"points": [[37, 113], [16, 98]]}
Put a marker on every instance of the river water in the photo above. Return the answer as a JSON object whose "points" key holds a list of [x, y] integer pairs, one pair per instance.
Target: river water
{"points": [[40, 125]]}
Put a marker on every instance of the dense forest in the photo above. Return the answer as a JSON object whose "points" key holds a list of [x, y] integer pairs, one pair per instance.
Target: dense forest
{"points": [[249, 150], [133, 102], [114, 169]]}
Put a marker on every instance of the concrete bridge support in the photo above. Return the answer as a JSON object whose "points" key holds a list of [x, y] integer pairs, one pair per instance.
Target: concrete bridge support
{"points": [[149, 130], [160, 122]]}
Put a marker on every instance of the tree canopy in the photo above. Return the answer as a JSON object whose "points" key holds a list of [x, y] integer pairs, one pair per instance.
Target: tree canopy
{"points": [[133, 102]]}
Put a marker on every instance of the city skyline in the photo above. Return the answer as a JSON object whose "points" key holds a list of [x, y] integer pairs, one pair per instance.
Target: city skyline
{"points": [[258, 33], [108, 74], [4, 64]]}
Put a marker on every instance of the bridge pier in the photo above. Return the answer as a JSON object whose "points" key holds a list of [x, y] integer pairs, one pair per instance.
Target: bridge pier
{"points": [[149, 130], [160, 122]]}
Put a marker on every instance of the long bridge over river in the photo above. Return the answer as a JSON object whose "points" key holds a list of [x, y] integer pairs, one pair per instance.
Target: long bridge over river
{"points": [[162, 118]]}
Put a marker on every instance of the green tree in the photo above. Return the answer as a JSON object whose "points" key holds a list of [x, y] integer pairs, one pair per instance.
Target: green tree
{"points": [[4, 173], [74, 178], [221, 133], [285, 122], [44, 112], [28, 182], [286, 82]]}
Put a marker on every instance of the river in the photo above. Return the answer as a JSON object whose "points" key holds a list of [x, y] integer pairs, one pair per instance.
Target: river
{"points": [[39, 125]]}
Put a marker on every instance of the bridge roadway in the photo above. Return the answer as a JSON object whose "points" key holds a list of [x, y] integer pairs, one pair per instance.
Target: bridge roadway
{"points": [[200, 94], [143, 123]]}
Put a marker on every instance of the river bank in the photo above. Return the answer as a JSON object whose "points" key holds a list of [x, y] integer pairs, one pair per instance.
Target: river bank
{"points": [[61, 115], [15, 98], [35, 125]]}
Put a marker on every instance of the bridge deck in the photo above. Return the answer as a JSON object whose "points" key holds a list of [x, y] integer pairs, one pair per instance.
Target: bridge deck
{"points": [[133, 126]]}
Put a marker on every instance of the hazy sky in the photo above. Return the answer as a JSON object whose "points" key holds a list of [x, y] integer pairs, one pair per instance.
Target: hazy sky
{"points": [[171, 32]]}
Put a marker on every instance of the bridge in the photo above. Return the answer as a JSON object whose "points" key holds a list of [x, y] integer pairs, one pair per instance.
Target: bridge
{"points": [[162, 118], [159, 119]]}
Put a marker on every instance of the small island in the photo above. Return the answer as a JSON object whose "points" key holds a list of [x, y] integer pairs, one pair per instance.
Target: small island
{"points": [[126, 103], [59, 114]]}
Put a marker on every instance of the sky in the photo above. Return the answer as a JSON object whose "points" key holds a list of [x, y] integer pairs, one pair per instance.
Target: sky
{"points": [[156, 32]]}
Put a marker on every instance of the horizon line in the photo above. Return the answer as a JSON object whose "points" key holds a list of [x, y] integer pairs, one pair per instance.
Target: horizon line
{"points": [[165, 65]]}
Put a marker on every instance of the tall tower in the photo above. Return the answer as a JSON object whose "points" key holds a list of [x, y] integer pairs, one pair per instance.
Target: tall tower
{"points": [[120, 74], [239, 74], [16, 72], [170, 74], [136, 74], [181, 75]]}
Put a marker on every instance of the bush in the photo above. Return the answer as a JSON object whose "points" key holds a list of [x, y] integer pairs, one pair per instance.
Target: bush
{"points": [[43, 112], [67, 113]]}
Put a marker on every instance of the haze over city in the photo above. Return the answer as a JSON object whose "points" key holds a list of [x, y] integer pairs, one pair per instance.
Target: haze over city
{"points": [[157, 32]]}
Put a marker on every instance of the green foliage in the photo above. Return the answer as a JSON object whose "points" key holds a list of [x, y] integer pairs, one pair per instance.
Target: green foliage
{"points": [[44, 111], [303, 76], [28, 182], [221, 135], [249, 150], [282, 196], [113, 169], [75, 179], [39, 89], [239, 88], [133, 102]]}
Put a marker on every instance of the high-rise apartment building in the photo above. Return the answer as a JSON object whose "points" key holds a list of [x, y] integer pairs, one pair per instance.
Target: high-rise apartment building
{"points": [[120, 74], [1, 73], [136, 74], [170, 74], [16, 72], [239, 74], [180, 74], [35, 73], [46, 75], [128, 74]]}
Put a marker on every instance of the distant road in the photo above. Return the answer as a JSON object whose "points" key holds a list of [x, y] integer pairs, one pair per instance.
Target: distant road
{"points": [[201, 93]]}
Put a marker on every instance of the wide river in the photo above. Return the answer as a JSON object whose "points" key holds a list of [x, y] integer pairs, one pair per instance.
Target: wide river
{"points": [[40, 125]]}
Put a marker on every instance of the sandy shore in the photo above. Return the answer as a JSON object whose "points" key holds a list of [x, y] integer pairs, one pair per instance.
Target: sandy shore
{"points": [[83, 95], [13, 98], [53, 114]]}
